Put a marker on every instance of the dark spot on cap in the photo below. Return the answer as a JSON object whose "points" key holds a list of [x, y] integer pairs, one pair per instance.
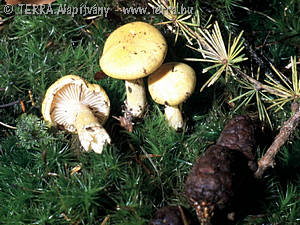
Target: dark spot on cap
{"points": [[130, 89], [166, 103], [135, 53], [89, 129], [145, 33], [123, 47], [144, 71]]}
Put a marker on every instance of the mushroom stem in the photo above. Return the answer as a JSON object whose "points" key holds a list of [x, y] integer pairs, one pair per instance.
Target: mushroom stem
{"points": [[136, 97], [174, 116], [90, 132]]}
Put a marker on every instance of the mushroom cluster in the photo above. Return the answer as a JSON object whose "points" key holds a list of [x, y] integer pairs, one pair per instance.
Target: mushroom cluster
{"points": [[131, 52], [79, 107], [136, 50]]}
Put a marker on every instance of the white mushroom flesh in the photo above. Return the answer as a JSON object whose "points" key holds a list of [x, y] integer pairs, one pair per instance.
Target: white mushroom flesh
{"points": [[136, 97], [79, 109], [174, 117]]}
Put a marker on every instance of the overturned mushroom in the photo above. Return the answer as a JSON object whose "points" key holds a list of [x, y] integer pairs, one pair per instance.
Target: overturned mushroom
{"points": [[79, 107], [171, 85], [130, 53]]}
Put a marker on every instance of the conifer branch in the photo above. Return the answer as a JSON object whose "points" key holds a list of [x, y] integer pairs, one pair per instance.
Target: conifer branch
{"points": [[258, 84], [285, 131]]}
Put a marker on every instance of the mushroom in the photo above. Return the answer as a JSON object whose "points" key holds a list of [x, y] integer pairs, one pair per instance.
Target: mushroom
{"points": [[171, 85], [79, 107], [130, 53]]}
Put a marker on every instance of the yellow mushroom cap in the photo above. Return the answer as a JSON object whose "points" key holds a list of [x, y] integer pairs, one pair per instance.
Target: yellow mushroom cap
{"points": [[133, 51], [66, 94], [172, 83]]}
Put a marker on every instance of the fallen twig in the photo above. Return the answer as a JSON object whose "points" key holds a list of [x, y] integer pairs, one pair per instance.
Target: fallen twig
{"points": [[277, 42], [105, 220], [156, 170], [183, 217], [149, 158], [285, 131], [142, 157], [9, 104], [8, 126], [138, 160]]}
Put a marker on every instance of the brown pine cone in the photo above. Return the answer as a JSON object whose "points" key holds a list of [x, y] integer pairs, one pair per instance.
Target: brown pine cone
{"points": [[170, 215], [220, 176], [209, 184], [238, 134]]}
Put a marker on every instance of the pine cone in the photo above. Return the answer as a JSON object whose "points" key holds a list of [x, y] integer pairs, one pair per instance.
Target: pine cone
{"points": [[209, 184], [218, 176], [238, 134], [170, 215]]}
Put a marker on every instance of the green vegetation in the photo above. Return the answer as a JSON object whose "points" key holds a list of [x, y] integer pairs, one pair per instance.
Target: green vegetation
{"points": [[146, 169]]}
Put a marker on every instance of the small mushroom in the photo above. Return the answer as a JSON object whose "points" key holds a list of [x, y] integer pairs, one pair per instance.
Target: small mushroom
{"points": [[80, 107], [171, 85], [130, 53]]}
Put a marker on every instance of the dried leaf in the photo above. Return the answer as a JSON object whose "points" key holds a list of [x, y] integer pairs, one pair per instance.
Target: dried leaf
{"points": [[65, 217], [76, 169], [100, 76], [13, 2], [142, 157], [126, 123], [23, 106], [31, 98], [50, 43], [34, 2], [1, 24]]}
